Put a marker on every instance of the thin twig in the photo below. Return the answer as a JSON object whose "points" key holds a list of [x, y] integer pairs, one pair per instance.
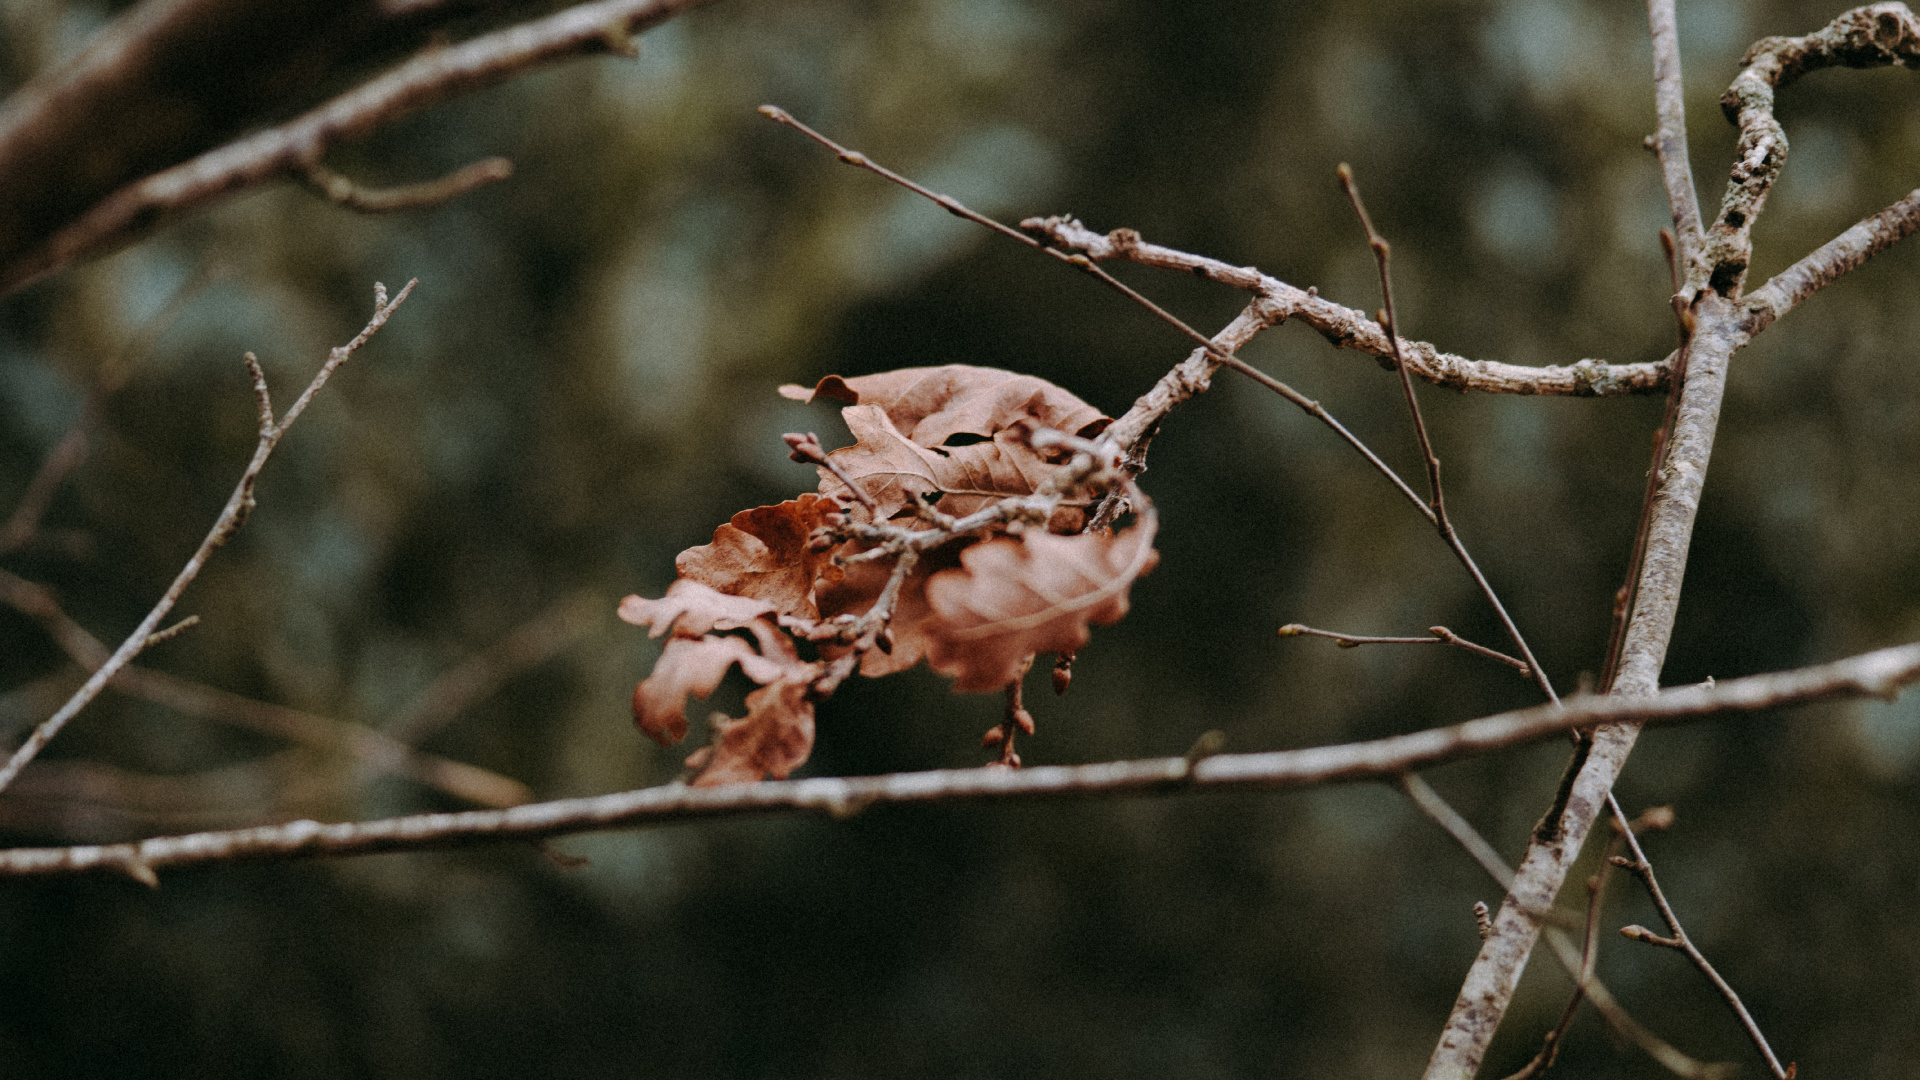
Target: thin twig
{"points": [[1785, 290], [1643, 869], [480, 676], [338, 188], [1390, 326], [1440, 636], [467, 782], [161, 636], [1670, 103], [1871, 674], [1575, 961], [1437, 500], [1017, 721], [239, 504]]}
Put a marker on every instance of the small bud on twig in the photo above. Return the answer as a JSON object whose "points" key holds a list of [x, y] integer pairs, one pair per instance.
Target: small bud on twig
{"points": [[805, 449], [1636, 932]]}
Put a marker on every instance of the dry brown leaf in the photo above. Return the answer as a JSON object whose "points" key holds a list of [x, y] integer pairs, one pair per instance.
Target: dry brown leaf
{"points": [[773, 739], [930, 405], [978, 609], [695, 665], [1014, 597], [691, 608], [763, 553], [893, 469]]}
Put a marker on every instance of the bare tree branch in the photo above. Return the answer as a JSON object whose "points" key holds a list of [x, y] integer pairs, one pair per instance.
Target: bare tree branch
{"points": [[1347, 328], [1577, 961], [170, 79], [341, 189], [1643, 870], [1440, 636], [1670, 102], [1720, 325], [605, 26], [383, 752], [1708, 306], [479, 677], [1874, 36], [1879, 674], [231, 518], [1785, 290]]}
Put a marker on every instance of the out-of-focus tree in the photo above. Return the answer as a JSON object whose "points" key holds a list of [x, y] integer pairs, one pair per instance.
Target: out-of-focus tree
{"points": [[419, 614]]}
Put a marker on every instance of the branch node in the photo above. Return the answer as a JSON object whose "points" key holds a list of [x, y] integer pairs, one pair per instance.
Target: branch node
{"points": [[136, 868], [619, 39], [1210, 742], [172, 632]]}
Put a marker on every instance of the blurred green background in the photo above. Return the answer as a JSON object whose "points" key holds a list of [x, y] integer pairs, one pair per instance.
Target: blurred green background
{"points": [[583, 385]]}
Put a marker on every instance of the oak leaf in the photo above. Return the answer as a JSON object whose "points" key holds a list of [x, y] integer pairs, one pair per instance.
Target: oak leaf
{"points": [[694, 666], [773, 739], [893, 470], [764, 553], [1015, 597], [691, 608], [930, 405]]}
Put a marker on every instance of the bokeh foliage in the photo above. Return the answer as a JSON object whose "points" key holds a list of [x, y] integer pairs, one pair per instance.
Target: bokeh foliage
{"points": [[583, 386]]}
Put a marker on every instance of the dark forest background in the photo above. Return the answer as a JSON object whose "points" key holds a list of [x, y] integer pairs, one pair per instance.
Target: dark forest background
{"points": [[583, 385]]}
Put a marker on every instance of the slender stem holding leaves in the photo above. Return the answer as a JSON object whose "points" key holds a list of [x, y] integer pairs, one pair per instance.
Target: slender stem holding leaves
{"points": [[1081, 262]]}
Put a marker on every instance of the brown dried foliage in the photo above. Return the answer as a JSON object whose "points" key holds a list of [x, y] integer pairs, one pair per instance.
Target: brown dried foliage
{"points": [[962, 544]]}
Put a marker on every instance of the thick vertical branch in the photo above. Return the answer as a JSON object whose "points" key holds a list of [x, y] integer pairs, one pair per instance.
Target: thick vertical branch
{"points": [[1556, 844], [1670, 101], [1490, 983]]}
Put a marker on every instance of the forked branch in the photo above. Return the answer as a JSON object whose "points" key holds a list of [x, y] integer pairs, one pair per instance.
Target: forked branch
{"points": [[232, 517], [1577, 961], [1347, 328], [1719, 324]]}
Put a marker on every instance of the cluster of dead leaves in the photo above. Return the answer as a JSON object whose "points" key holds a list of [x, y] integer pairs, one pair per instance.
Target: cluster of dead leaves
{"points": [[977, 607]]}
